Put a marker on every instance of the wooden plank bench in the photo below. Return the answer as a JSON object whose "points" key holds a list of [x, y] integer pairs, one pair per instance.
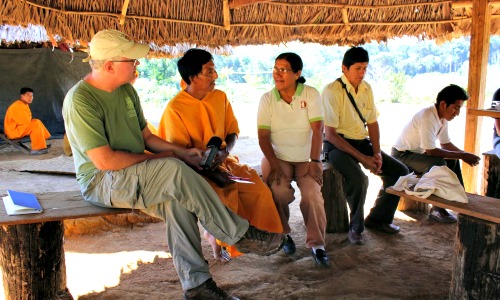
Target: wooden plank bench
{"points": [[32, 253], [476, 263]]}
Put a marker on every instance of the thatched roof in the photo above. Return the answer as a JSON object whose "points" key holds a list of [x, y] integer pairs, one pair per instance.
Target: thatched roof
{"points": [[216, 23]]}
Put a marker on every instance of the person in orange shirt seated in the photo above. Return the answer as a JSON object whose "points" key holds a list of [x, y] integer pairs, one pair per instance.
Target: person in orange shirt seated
{"points": [[193, 118], [18, 123]]}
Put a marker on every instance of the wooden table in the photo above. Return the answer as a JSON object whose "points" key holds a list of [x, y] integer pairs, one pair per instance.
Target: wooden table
{"points": [[32, 256], [484, 112]]}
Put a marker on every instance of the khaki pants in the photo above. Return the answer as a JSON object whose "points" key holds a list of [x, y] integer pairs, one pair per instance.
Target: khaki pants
{"points": [[311, 203], [168, 189]]}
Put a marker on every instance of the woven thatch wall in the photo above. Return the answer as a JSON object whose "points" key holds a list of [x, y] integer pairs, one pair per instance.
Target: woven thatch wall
{"points": [[202, 22]]}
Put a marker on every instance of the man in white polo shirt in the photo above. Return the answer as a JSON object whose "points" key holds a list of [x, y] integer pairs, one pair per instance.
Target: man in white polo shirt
{"points": [[416, 146]]}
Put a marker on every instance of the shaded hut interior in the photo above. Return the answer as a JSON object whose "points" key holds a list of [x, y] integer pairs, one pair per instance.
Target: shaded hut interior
{"points": [[174, 25]]}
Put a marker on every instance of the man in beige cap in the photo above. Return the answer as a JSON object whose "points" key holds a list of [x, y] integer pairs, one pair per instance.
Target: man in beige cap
{"points": [[108, 134]]}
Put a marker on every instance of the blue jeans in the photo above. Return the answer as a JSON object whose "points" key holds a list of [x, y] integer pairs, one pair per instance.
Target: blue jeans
{"points": [[356, 183]]}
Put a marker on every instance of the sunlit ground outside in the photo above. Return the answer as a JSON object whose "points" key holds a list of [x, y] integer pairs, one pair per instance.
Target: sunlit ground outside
{"points": [[83, 277]]}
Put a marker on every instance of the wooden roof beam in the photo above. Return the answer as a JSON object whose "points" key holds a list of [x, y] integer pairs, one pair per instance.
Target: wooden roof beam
{"points": [[345, 18], [124, 12], [468, 4], [239, 3]]}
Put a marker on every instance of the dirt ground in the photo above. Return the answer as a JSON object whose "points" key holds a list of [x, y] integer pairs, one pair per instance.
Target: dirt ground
{"points": [[134, 262]]}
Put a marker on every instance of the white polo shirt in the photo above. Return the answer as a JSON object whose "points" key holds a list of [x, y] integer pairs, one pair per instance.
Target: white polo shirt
{"points": [[289, 124], [341, 114], [424, 129]]}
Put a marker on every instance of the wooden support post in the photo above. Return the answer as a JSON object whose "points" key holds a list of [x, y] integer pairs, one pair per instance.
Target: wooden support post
{"points": [[491, 175], [476, 265], [32, 261], [337, 219], [478, 62]]}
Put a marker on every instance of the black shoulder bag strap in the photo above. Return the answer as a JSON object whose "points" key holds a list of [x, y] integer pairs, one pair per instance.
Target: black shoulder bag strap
{"points": [[352, 101]]}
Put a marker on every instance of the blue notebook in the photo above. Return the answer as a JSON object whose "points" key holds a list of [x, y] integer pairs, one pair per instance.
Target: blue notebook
{"points": [[17, 203]]}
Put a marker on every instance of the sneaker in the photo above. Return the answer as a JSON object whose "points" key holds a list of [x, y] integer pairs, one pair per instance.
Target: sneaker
{"points": [[260, 242], [207, 291], [355, 238], [320, 258], [442, 215], [39, 152], [289, 245]]}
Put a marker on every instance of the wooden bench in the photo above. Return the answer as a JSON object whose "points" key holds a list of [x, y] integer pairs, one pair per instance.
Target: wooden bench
{"points": [[17, 143], [476, 263], [32, 256], [337, 219]]}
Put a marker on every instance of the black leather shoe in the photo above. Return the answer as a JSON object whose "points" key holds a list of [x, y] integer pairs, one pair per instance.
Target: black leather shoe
{"points": [[320, 258], [39, 152], [207, 291], [289, 245], [355, 238], [441, 215], [385, 228], [260, 242]]}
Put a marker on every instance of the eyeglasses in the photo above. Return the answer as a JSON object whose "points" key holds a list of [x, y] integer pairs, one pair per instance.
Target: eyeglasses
{"points": [[281, 70], [135, 61]]}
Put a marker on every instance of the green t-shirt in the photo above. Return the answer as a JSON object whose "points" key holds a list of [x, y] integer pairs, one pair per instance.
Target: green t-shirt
{"points": [[94, 118]]}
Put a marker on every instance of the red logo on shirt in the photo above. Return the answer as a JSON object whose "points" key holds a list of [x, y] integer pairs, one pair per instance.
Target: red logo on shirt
{"points": [[303, 104]]}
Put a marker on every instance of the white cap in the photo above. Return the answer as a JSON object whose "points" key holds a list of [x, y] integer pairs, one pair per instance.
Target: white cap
{"points": [[111, 43]]}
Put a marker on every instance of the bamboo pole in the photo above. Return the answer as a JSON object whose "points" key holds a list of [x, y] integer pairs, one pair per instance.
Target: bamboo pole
{"points": [[226, 15], [478, 63], [345, 18], [124, 12]]}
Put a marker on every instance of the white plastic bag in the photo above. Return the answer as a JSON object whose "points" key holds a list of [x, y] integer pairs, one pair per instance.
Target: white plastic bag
{"points": [[440, 181]]}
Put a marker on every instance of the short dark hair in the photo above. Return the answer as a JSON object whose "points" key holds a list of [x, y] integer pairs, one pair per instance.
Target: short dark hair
{"points": [[355, 55], [496, 96], [192, 63], [24, 90], [451, 94], [295, 63]]}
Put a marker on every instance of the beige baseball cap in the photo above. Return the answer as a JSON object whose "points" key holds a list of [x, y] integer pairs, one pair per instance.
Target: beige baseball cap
{"points": [[111, 43]]}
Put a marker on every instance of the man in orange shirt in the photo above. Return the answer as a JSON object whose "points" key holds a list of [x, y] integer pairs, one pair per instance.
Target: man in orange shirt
{"points": [[195, 116], [18, 123]]}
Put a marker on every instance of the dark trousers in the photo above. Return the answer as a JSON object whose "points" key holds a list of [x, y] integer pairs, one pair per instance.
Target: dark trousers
{"points": [[422, 163], [356, 183]]}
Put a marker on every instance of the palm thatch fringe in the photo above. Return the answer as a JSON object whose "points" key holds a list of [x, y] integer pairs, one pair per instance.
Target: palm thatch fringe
{"points": [[216, 23]]}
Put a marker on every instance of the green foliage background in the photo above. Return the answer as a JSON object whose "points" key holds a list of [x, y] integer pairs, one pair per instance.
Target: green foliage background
{"points": [[404, 70]]}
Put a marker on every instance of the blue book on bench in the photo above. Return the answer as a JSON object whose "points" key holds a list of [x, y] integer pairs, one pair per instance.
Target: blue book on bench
{"points": [[21, 203]]}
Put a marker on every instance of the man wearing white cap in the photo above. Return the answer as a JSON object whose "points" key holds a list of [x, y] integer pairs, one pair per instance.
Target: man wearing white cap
{"points": [[108, 134]]}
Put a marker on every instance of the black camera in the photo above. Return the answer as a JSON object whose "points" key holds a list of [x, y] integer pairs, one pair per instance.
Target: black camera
{"points": [[213, 147]]}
